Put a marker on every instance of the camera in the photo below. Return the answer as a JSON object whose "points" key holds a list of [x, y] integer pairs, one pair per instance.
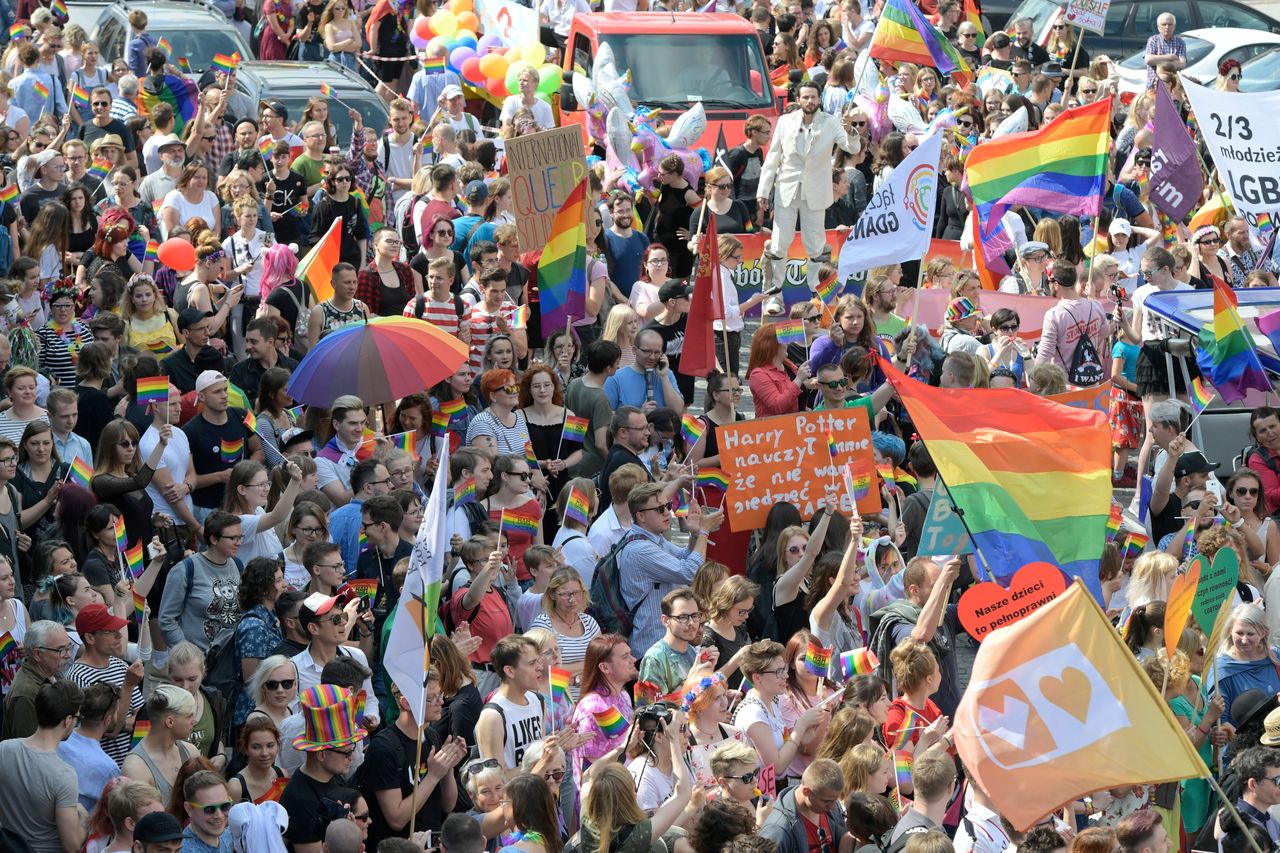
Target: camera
{"points": [[648, 720]]}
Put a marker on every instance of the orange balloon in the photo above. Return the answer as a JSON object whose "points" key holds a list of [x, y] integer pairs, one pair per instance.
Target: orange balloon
{"points": [[177, 254], [493, 66], [457, 7], [467, 20]]}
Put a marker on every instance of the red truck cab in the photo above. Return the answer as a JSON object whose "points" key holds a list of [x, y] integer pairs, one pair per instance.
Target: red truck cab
{"points": [[676, 60]]}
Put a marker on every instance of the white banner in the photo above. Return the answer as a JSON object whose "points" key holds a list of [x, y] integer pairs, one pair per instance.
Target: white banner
{"points": [[1240, 130], [511, 22], [898, 222], [1088, 14]]}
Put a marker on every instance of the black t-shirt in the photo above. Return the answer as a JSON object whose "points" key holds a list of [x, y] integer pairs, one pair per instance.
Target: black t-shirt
{"points": [[303, 799], [90, 131], [1033, 53], [33, 199], [1166, 521], [388, 765], [744, 166], [420, 263], [98, 570], [216, 448], [286, 299], [288, 191], [313, 13]]}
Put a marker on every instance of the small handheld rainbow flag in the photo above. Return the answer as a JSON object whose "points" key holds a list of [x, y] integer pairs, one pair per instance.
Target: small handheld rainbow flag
{"points": [[520, 521], [231, 451], [560, 679], [265, 146], [859, 481], [405, 441], [152, 252], [790, 332], [153, 390], [184, 65], [326, 90], [79, 95], [158, 346], [575, 429], [133, 557], [433, 64], [1191, 540], [691, 428], [8, 645], [858, 662], [366, 588], [8, 194], [520, 318], [911, 723], [439, 423], [1201, 394], [251, 421], [887, 473], [19, 31], [610, 721], [225, 64], [530, 456], [80, 472], [100, 167], [577, 507], [714, 477], [453, 408], [295, 414], [831, 447], [817, 658], [1136, 542], [828, 289], [122, 539], [163, 44], [1114, 520], [902, 767], [141, 729], [464, 491], [42, 90], [59, 9]]}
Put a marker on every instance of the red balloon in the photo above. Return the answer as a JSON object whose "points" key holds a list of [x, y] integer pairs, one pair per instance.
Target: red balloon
{"points": [[422, 29], [177, 254], [497, 88], [471, 71]]}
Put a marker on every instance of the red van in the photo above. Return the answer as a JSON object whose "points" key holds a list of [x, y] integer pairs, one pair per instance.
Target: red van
{"points": [[678, 59]]}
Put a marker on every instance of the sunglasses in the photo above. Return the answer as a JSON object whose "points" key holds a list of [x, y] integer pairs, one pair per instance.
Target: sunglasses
{"points": [[553, 775], [212, 809], [511, 389], [283, 684], [1243, 491], [660, 508], [443, 232], [1008, 327], [746, 778], [1233, 76], [1209, 241], [481, 766], [836, 384], [523, 475]]}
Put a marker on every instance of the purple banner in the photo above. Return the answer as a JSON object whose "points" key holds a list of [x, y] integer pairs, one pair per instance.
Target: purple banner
{"points": [[1176, 179]]}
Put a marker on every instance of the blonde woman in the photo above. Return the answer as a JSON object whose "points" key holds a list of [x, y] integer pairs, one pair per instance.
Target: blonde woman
{"points": [[341, 32], [1151, 578], [610, 809], [620, 327], [151, 325], [564, 607], [735, 767]]}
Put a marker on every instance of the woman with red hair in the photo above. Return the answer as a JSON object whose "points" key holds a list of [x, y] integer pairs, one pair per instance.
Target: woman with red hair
{"points": [[110, 246], [773, 391], [1228, 76]]}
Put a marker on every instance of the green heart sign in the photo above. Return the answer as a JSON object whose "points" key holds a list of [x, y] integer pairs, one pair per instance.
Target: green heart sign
{"points": [[1217, 583]]}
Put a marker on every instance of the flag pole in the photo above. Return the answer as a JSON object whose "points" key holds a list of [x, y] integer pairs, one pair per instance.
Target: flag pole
{"points": [[426, 667]]}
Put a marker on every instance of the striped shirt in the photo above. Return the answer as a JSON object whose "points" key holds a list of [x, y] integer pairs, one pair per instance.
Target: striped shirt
{"points": [[442, 315], [84, 676], [1157, 46], [484, 326]]}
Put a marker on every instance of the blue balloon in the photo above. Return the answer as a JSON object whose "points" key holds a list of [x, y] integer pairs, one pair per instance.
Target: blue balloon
{"points": [[468, 41]]}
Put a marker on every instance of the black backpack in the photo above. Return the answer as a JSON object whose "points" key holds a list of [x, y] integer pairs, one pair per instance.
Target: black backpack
{"points": [[608, 607], [420, 306], [1085, 370], [408, 234]]}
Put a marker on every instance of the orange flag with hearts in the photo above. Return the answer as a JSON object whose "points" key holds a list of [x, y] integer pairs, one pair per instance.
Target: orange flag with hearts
{"points": [[1056, 704]]}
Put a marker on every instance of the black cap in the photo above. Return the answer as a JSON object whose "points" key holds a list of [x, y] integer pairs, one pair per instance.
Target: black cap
{"points": [[1193, 463], [157, 826], [188, 317], [276, 107], [208, 359], [677, 288]]}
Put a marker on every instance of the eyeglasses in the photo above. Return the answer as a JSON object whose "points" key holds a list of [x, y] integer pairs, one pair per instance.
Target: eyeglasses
{"points": [[443, 232], [481, 766], [964, 124], [569, 596], [1088, 91], [229, 538], [310, 531], [61, 651], [283, 684], [1059, 26], [1243, 491], [688, 618], [723, 186], [101, 103], [345, 753], [656, 262], [661, 508], [746, 778], [780, 672], [333, 566], [510, 389], [968, 35], [858, 123], [211, 809]]}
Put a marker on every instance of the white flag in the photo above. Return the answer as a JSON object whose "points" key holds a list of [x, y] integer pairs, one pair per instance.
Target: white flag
{"points": [[897, 224], [406, 654]]}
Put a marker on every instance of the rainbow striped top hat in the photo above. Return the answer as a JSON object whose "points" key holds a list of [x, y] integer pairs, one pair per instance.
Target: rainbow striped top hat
{"points": [[330, 714]]}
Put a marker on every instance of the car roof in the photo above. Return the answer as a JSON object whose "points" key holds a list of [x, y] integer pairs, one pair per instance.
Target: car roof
{"points": [[165, 13], [702, 23], [286, 75], [1216, 35]]}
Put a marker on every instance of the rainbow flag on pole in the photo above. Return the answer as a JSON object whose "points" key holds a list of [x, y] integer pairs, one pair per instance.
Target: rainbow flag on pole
{"points": [[575, 429], [1201, 395], [692, 428], [519, 521], [153, 390], [714, 477], [817, 658], [79, 95], [560, 679], [464, 491], [858, 662], [790, 332], [80, 472], [903, 35], [405, 441], [133, 557], [1033, 477], [122, 538], [1060, 167], [1114, 521], [577, 507], [225, 64], [1228, 354], [562, 272]]}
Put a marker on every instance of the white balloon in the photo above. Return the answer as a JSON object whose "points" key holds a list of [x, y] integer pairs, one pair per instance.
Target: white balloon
{"points": [[583, 89], [1016, 123], [905, 117], [618, 135], [688, 128]]}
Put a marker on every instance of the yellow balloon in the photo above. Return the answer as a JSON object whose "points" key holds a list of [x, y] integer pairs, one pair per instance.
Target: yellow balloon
{"points": [[457, 7], [444, 23], [534, 54]]}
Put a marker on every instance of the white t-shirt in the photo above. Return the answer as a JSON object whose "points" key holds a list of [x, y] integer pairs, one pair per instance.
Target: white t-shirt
{"points": [[207, 209], [1151, 330], [643, 294], [257, 543], [732, 314], [541, 111], [578, 553], [398, 160], [652, 785], [241, 252], [177, 453], [752, 710]]}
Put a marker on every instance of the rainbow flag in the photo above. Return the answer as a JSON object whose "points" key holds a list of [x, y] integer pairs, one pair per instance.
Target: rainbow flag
{"points": [[176, 91], [152, 253], [857, 480], [828, 289], [8, 194], [530, 456], [158, 346], [831, 447], [439, 423], [714, 477], [326, 90], [453, 408], [562, 272], [577, 507], [1201, 395], [100, 167], [224, 63], [610, 721], [560, 679], [236, 397], [995, 78], [680, 504], [911, 724], [1135, 544], [520, 521], [79, 95], [520, 317], [1033, 477], [251, 421], [295, 414], [163, 44], [902, 767], [80, 472], [692, 428], [1228, 354], [133, 557], [156, 204], [19, 31], [231, 451], [903, 35], [1060, 167], [366, 588], [265, 146], [433, 64], [184, 65], [817, 658], [464, 491], [575, 429], [59, 9], [886, 472], [42, 90], [122, 538], [1114, 521], [141, 729], [362, 542], [153, 390], [428, 147], [7, 645], [790, 332], [405, 441], [1263, 225], [858, 662]]}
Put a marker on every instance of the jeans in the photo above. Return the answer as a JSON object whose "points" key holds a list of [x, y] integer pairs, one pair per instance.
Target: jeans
{"points": [[346, 60], [311, 51]]}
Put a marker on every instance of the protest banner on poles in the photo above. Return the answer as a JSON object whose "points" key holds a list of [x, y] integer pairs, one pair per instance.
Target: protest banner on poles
{"points": [[1239, 129], [511, 22], [785, 458], [543, 169], [1090, 15]]}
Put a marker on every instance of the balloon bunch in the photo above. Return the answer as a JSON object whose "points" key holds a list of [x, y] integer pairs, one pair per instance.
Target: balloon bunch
{"points": [[484, 62]]}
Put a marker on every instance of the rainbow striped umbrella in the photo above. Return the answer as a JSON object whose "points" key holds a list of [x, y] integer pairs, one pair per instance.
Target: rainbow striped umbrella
{"points": [[379, 361]]}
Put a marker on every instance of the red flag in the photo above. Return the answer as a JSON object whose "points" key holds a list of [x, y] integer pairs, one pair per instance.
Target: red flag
{"points": [[698, 358]]}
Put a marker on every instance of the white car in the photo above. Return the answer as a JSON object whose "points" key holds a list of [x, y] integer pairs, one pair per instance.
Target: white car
{"points": [[1206, 48]]}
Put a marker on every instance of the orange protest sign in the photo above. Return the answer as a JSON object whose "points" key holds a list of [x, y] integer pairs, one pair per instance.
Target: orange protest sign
{"points": [[786, 458], [1178, 608]]}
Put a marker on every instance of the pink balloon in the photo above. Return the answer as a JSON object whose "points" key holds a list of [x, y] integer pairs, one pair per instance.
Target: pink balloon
{"points": [[177, 254]]}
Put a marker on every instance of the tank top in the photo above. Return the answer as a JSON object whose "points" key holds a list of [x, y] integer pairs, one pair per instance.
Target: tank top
{"points": [[273, 793], [335, 319], [164, 786], [11, 661], [521, 724]]}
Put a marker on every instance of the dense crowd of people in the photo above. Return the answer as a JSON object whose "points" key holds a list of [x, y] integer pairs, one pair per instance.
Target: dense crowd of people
{"points": [[197, 592]]}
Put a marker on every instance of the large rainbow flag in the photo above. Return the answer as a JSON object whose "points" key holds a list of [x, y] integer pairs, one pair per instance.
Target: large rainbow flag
{"points": [[176, 91], [316, 267], [1228, 354], [562, 271], [903, 35], [1031, 476], [1060, 167]]}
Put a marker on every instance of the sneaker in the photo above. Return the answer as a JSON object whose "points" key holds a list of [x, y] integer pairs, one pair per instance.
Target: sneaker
{"points": [[775, 305]]}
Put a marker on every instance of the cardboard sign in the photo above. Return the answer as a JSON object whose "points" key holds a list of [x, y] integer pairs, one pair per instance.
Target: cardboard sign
{"points": [[1089, 15], [767, 781], [1097, 397], [987, 606], [1217, 584], [785, 458], [943, 531], [543, 169], [1178, 608]]}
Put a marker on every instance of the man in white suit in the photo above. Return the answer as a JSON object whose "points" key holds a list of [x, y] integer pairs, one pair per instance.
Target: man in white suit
{"points": [[797, 171]]}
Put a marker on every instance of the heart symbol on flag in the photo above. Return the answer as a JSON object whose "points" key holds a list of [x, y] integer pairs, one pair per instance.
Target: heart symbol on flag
{"points": [[1070, 692]]}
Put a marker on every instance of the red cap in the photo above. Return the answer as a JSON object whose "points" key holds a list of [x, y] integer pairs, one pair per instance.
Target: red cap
{"points": [[96, 617]]}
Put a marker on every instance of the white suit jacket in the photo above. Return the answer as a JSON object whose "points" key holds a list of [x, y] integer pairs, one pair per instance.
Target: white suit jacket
{"points": [[803, 177]]}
